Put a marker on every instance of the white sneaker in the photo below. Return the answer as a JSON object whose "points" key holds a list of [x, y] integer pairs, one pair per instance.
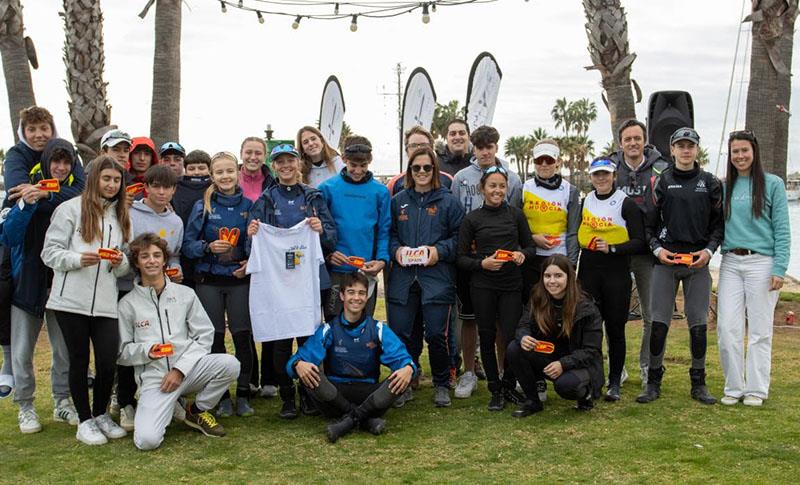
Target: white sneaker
{"points": [[467, 384], [28, 421], [127, 417], [65, 412], [89, 433], [729, 400], [268, 391], [109, 428], [113, 406], [752, 401]]}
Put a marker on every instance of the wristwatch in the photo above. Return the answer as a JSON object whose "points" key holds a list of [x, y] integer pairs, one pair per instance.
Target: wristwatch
{"points": [[612, 248]]}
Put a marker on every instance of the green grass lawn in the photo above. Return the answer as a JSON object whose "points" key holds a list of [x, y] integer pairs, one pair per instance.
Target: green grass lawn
{"points": [[673, 439]]}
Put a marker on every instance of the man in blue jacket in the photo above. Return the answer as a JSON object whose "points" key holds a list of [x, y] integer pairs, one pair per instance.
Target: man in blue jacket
{"points": [[361, 209], [353, 346]]}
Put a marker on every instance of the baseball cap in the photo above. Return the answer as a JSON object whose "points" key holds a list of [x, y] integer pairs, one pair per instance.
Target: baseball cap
{"points": [[113, 138], [602, 165], [281, 149], [173, 146], [684, 133], [546, 150]]}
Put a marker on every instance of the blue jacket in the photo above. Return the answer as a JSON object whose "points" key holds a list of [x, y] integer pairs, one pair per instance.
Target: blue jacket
{"points": [[430, 219], [23, 230], [226, 211], [362, 212], [392, 354], [264, 210]]}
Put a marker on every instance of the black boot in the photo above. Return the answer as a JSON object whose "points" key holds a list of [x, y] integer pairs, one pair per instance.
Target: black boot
{"points": [[527, 408], [373, 425], [340, 428], [288, 410], [307, 405], [653, 389], [699, 389]]}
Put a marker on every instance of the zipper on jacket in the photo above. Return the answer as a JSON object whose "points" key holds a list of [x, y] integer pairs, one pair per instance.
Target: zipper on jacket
{"points": [[97, 273], [63, 283], [160, 325], [166, 312]]}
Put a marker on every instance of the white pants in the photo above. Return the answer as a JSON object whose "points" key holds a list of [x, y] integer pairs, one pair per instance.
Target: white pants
{"points": [[743, 291], [209, 378]]}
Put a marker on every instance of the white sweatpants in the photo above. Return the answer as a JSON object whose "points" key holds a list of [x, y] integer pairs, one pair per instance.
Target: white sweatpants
{"points": [[209, 378], [743, 291]]}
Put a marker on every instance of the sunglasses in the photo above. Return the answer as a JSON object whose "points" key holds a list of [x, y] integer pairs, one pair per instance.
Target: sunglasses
{"points": [[352, 149], [414, 146], [742, 135], [422, 168], [495, 169], [544, 160]]}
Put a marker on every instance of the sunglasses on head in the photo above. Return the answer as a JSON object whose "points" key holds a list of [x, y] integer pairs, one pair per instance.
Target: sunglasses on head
{"points": [[742, 135], [544, 160], [495, 169], [352, 149], [422, 168]]}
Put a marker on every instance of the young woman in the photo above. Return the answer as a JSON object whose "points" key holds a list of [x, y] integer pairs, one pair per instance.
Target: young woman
{"points": [[612, 228], [221, 282], [284, 205], [502, 242], [755, 254], [320, 160], [254, 175], [559, 338], [425, 215], [84, 293]]}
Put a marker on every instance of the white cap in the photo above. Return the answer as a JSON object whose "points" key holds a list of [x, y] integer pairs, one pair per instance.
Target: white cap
{"points": [[546, 150]]}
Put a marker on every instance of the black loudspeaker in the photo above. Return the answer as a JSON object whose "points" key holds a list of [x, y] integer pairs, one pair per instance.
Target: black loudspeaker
{"points": [[666, 112]]}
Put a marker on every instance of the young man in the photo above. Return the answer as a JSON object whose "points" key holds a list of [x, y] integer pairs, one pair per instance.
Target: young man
{"points": [[117, 144], [361, 208], [466, 189], [638, 167], [191, 187], [142, 156], [687, 222], [416, 138], [456, 153], [172, 155], [158, 312], [353, 346], [150, 215], [23, 232]]}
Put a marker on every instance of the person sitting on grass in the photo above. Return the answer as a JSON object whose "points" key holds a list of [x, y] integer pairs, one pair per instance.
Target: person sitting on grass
{"points": [[350, 388], [156, 312], [559, 337]]}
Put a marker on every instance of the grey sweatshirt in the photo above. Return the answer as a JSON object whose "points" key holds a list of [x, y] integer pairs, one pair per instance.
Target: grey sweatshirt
{"points": [[466, 186]]}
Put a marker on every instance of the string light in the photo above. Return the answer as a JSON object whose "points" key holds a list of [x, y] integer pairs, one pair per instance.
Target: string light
{"points": [[336, 9], [354, 24], [433, 7], [425, 15], [296, 23], [224, 8], [241, 3], [260, 17]]}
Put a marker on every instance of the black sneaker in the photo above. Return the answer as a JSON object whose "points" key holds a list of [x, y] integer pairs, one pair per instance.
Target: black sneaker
{"points": [[527, 408], [612, 394], [497, 402], [374, 425], [513, 396], [340, 428], [585, 404], [307, 405], [288, 410]]}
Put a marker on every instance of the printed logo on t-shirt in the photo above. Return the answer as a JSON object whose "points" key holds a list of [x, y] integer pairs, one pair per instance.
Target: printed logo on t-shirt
{"points": [[143, 324], [295, 255]]}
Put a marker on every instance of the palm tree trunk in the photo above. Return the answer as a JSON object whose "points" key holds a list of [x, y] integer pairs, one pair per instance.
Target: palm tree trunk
{"points": [[607, 30], [769, 92], [15, 61], [166, 105], [85, 59]]}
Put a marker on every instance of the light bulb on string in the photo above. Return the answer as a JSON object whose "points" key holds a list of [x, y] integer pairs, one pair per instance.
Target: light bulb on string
{"points": [[241, 3], [433, 6], [336, 9], [354, 24], [426, 17], [223, 7], [296, 23], [260, 17]]}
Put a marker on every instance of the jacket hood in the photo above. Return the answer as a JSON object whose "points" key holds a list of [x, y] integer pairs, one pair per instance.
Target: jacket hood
{"points": [[140, 206], [346, 177], [47, 155], [197, 183], [651, 155], [229, 200], [21, 134], [143, 141]]}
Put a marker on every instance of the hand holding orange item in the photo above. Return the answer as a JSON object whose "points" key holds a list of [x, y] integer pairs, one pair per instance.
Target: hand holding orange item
{"points": [[172, 272], [544, 347], [162, 350], [108, 254], [356, 261], [50, 185], [503, 255], [134, 189], [683, 258]]}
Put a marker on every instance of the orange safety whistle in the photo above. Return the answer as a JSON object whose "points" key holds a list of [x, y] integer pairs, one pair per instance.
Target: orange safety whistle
{"points": [[544, 347], [356, 261], [163, 350], [107, 253], [134, 189], [50, 185], [504, 255]]}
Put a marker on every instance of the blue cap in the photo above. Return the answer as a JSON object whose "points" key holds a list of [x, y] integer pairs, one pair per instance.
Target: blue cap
{"points": [[173, 146], [281, 149], [602, 165]]}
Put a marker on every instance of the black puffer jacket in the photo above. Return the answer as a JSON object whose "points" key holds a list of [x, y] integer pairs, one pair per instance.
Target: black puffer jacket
{"points": [[638, 184], [452, 163]]}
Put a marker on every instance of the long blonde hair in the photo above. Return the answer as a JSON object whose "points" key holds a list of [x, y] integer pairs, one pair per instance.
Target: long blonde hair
{"points": [[93, 203], [207, 209]]}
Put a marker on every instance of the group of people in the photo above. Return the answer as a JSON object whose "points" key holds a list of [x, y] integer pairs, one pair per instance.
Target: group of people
{"points": [[148, 256]]}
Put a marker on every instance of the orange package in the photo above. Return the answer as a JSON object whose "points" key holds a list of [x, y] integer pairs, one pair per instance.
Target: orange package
{"points": [[233, 236], [544, 347], [592, 246], [504, 255], [50, 185], [172, 272], [356, 261], [224, 233], [555, 240], [163, 350], [683, 258], [107, 253], [134, 189]]}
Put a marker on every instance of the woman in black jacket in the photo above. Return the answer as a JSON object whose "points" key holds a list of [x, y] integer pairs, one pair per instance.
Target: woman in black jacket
{"points": [[559, 338]]}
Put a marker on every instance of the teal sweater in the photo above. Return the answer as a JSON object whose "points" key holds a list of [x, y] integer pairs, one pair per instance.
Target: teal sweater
{"points": [[769, 234]]}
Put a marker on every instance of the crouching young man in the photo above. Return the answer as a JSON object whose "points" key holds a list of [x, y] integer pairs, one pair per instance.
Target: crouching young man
{"points": [[353, 346], [158, 312]]}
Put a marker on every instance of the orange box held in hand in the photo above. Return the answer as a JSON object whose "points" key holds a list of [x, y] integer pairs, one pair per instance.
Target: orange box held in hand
{"points": [[134, 189], [163, 350], [224, 233], [554, 240], [592, 246], [50, 185], [172, 272], [544, 347], [356, 261], [503, 255], [683, 258], [233, 236], [108, 253]]}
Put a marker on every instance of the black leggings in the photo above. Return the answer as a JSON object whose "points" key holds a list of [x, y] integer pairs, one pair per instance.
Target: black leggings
{"points": [[263, 374], [493, 307], [363, 399], [103, 333], [233, 301], [611, 289], [529, 367], [281, 353]]}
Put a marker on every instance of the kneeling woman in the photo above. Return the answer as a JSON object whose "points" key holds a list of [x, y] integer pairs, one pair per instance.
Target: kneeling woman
{"points": [[559, 338]]}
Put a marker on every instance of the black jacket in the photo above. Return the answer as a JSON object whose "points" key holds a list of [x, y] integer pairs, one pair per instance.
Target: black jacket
{"points": [[638, 184], [688, 211], [187, 193], [451, 163], [585, 341]]}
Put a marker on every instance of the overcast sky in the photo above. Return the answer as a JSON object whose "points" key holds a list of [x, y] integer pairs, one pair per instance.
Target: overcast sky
{"points": [[239, 75]]}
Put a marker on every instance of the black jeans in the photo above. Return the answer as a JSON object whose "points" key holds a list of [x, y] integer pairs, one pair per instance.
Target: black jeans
{"points": [[493, 308], [103, 333], [529, 367], [281, 353], [364, 399]]}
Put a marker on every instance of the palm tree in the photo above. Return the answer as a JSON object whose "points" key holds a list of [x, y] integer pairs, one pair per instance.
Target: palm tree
{"points": [[584, 113], [607, 30], [538, 135], [702, 156], [769, 91], [346, 131], [85, 59], [608, 149], [16, 52], [518, 149], [165, 109], [444, 113], [562, 116]]}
